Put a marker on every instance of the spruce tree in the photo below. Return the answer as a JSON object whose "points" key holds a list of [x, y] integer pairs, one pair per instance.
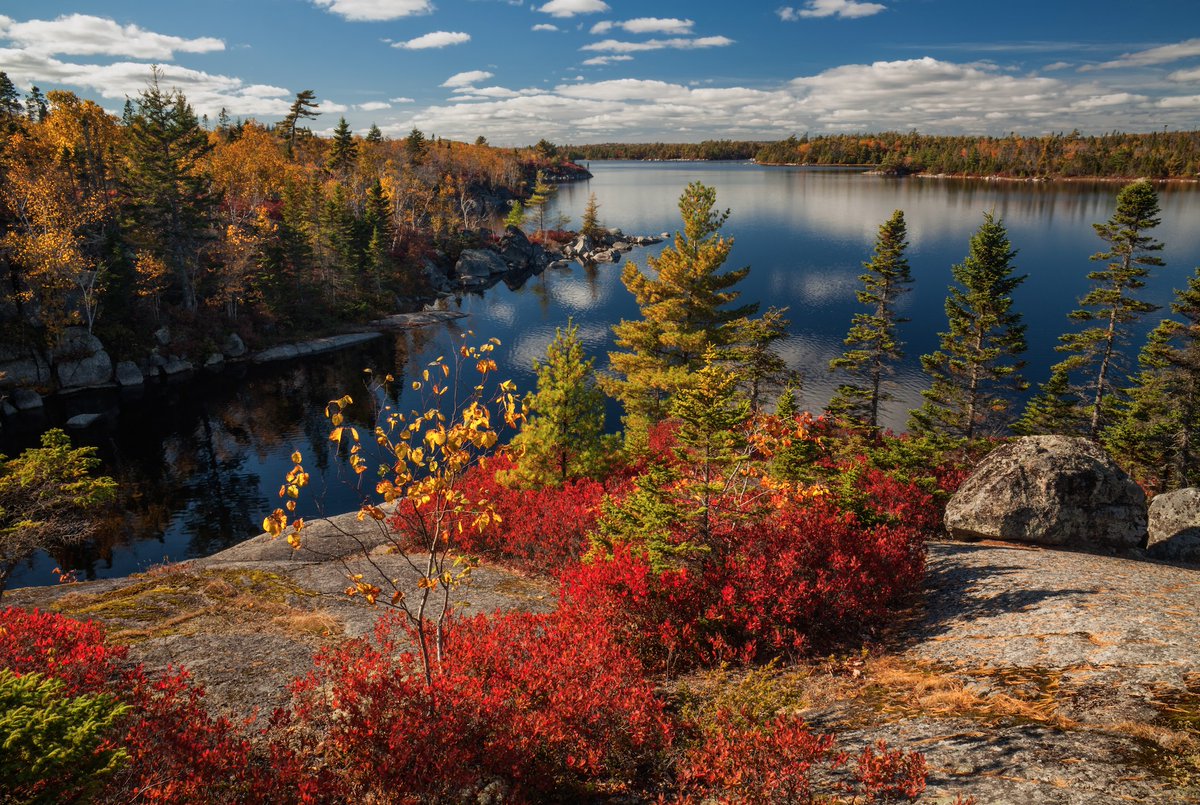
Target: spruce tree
{"points": [[1157, 431], [687, 304], [590, 225], [563, 435], [344, 151], [374, 135], [758, 367], [978, 368], [539, 199], [10, 99], [170, 194], [1094, 352], [1054, 409], [874, 348], [516, 215]]}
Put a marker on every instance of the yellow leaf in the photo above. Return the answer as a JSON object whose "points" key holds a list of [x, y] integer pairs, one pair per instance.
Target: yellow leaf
{"points": [[296, 457]]}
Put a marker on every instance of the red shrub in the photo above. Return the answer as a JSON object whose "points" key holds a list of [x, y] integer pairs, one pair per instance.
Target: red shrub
{"points": [[890, 774], [807, 572], [520, 700], [178, 753], [748, 766]]}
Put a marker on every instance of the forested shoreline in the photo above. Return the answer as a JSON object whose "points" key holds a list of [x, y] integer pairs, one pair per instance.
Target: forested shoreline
{"points": [[1156, 155]]}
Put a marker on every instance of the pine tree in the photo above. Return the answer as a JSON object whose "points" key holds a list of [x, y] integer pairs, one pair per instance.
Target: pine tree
{"points": [[874, 348], [1094, 352], [758, 367], [303, 108], [343, 151], [36, 107], [563, 433], [590, 225], [374, 135], [686, 303], [415, 144], [978, 367], [170, 193]]}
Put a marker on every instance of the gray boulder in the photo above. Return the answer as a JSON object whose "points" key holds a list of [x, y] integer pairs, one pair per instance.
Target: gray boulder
{"points": [[479, 264], [80, 359], [582, 245], [234, 346], [26, 400], [162, 336], [177, 366], [215, 362], [128, 374], [22, 365], [435, 274], [1050, 490], [515, 248], [81, 421], [1175, 526]]}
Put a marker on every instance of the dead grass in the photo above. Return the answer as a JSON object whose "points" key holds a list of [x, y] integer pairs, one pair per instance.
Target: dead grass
{"points": [[181, 601]]}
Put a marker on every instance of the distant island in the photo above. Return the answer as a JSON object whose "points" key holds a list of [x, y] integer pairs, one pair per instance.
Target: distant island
{"points": [[1157, 155]]}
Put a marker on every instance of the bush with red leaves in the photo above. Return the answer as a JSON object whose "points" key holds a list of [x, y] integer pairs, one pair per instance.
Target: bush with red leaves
{"points": [[806, 573], [891, 774], [522, 703], [177, 752]]}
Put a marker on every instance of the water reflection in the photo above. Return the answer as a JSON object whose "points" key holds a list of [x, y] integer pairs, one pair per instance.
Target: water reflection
{"points": [[200, 463]]}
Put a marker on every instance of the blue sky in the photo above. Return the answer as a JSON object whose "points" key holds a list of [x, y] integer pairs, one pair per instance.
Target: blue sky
{"points": [[606, 70]]}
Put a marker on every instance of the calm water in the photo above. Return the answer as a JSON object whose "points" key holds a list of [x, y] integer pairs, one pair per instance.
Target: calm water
{"points": [[200, 462]]}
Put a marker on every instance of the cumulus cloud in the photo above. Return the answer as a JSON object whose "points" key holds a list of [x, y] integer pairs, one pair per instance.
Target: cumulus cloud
{"points": [[401, 100], [1163, 54], [467, 78], [845, 9], [597, 61], [679, 43], [545, 26], [85, 35], [375, 10], [436, 39], [647, 25], [570, 8], [373, 106]]}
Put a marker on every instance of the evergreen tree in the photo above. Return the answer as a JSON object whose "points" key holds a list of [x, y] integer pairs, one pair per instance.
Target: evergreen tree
{"points": [[647, 519], [758, 367], [563, 434], [537, 201], [1157, 431], [303, 108], [590, 225], [1094, 352], [1054, 409], [170, 194], [687, 305], [978, 367], [874, 348], [374, 135], [343, 151], [516, 215], [36, 107], [10, 99], [415, 145]]}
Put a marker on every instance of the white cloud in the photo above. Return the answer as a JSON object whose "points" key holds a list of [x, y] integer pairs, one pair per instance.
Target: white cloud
{"points": [[569, 8], [373, 106], [618, 46], [333, 108], [1163, 54], [844, 9], [85, 35], [1186, 75], [467, 78], [1058, 65], [545, 26], [647, 25], [597, 61], [436, 39], [375, 10], [401, 100]]}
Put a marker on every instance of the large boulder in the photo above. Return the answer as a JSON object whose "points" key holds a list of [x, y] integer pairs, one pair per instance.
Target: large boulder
{"points": [[80, 359], [128, 374], [1175, 526], [23, 365], [234, 346], [1050, 490], [479, 264], [515, 248]]}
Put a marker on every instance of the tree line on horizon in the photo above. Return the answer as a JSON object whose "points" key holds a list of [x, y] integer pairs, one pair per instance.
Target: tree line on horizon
{"points": [[1154, 155]]}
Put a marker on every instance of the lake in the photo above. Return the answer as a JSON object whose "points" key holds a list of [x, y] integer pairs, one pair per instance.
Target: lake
{"points": [[199, 463]]}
